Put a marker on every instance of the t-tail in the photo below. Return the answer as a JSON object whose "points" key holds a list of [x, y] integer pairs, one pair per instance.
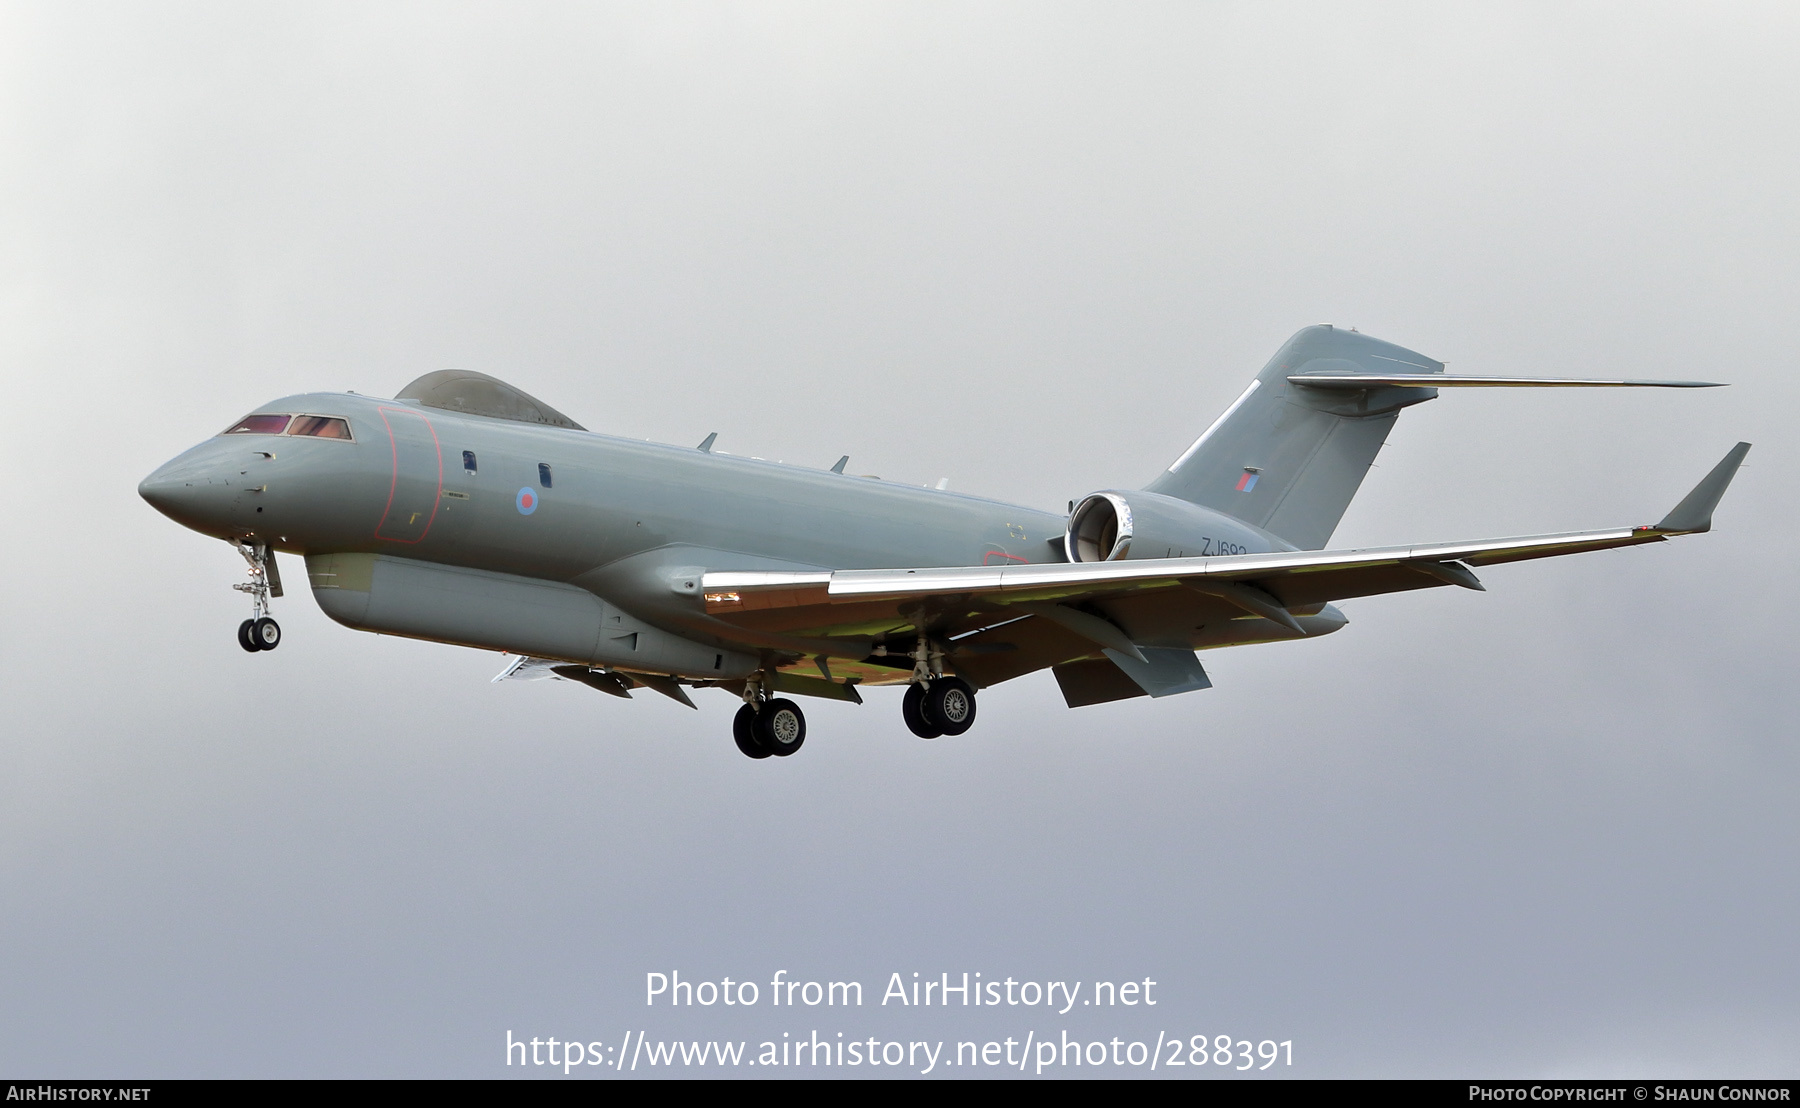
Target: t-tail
{"points": [[1291, 451]]}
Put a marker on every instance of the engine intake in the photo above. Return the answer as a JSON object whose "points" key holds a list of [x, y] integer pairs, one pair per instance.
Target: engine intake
{"points": [[1099, 529], [1115, 525]]}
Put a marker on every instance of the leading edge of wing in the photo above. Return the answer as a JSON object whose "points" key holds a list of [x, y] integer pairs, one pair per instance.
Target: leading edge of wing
{"points": [[848, 585], [1452, 381], [1022, 582]]}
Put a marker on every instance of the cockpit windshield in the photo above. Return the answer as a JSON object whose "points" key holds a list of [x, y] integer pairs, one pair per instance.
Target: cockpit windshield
{"points": [[319, 427], [260, 425], [308, 426]]}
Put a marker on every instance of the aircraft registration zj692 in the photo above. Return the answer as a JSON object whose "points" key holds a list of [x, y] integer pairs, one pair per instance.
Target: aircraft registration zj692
{"points": [[465, 511]]}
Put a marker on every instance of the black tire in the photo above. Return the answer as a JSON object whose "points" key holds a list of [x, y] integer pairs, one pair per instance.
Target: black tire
{"points": [[244, 639], [949, 705], [912, 710], [780, 727], [265, 633], [743, 729]]}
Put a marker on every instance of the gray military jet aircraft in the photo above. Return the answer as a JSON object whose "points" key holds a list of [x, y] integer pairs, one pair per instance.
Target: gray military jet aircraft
{"points": [[464, 511]]}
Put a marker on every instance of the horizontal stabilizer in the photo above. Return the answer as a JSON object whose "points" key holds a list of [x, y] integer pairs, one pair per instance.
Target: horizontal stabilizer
{"points": [[1694, 513], [1451, 381]]}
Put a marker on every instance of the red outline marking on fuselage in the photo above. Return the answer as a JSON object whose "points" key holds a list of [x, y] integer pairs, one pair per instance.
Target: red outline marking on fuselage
{"points": [[393, 484], [988, 558]]}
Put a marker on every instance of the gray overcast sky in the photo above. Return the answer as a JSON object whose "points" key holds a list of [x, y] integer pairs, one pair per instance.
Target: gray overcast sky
{"points": [[1035, 248]]}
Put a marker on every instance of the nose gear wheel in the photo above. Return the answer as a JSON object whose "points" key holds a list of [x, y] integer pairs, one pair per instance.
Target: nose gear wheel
{"points": [[265, 633], [259, 632]]}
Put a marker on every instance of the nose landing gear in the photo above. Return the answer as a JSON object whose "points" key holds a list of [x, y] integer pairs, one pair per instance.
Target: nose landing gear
{"points": [[259, 632]]}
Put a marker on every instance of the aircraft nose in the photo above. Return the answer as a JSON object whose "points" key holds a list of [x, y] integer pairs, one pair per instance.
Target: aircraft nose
{"points": [[165, 492], [186, 491]]}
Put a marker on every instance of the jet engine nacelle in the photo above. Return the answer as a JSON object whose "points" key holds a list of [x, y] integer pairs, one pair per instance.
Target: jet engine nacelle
{"points": [[1114, 525]]}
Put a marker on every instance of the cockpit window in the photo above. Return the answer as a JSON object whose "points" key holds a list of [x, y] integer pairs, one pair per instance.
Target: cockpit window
{"points": [[260, 425], [320, 427]]}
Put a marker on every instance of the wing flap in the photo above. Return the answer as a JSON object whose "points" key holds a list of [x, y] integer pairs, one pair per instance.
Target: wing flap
{"points": [[1016, 648], [1096, 681], [1163, 672]]}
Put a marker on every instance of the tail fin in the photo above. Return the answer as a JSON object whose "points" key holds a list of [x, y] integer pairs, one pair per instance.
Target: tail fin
{"points": [[1288, 457]]}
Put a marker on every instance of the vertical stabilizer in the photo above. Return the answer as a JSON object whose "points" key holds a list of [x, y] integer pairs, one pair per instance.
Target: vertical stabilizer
{"points": [[1289, 457]]}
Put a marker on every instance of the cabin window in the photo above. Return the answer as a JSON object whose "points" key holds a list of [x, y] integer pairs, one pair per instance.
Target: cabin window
{"points": [[469, 460], [544, 474], [260, 425], [320, 427]]}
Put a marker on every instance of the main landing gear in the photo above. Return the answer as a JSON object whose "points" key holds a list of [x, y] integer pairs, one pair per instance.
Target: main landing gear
{"points": [[939, 706], [259, 632], [934, 704], [766, 727]]}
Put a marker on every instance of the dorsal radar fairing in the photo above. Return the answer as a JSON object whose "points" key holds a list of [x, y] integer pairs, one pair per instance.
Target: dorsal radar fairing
{"points": [[471, 393]]}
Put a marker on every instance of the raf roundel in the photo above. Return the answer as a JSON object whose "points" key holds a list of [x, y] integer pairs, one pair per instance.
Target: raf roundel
{"points": [[527, 501]]}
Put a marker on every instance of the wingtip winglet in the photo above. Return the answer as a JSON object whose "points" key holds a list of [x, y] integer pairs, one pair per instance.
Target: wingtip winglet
{"points": [[1694, 513]]}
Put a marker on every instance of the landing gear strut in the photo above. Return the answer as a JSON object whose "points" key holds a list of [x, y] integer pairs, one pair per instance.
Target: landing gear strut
{"points": [[259, 632], [765, 727]]}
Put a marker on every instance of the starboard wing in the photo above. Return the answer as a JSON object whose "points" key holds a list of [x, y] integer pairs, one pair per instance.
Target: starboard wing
{"points": [[1079, 609]]}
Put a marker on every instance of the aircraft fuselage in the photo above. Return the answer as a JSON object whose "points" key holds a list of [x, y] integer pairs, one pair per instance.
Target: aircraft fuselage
{"points": [[621, 519]]}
